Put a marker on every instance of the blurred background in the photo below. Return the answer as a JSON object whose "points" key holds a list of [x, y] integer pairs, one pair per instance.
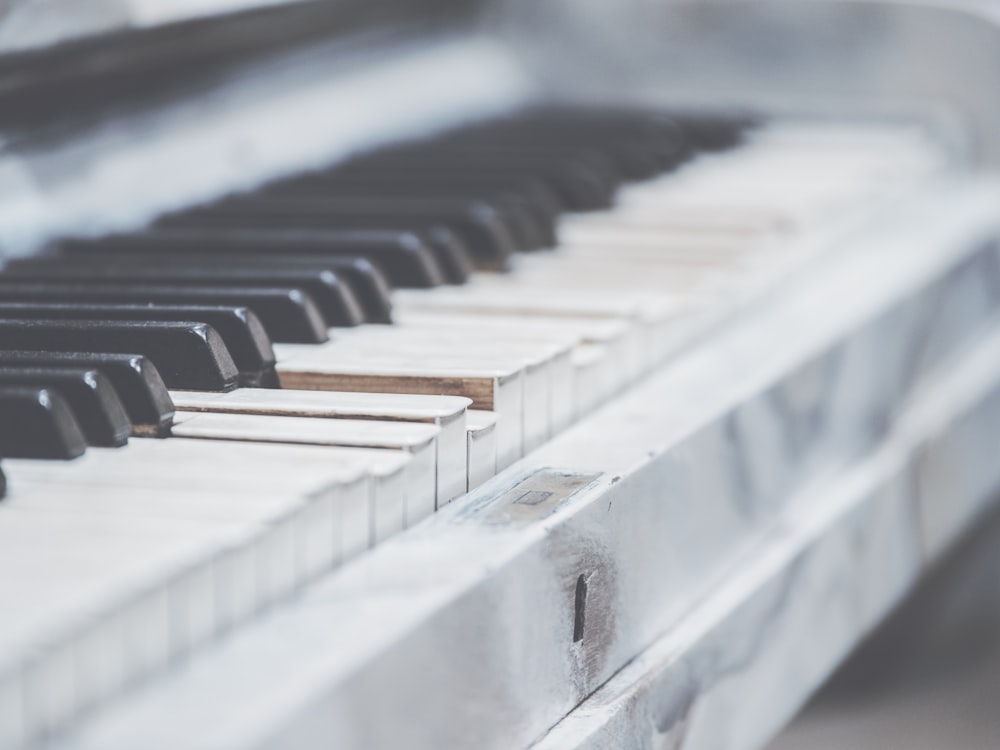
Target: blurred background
{"points": [[929, 677]]}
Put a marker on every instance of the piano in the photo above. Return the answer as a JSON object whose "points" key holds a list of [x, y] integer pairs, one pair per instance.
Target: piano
{"points": [[453, 374]]}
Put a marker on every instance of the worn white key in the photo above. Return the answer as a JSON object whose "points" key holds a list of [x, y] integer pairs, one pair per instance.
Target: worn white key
{"points": [[545, 359], [482, 446], [506, 294], [595, 379], [72, 568], [490, 386], [259, 484], [417, 440], [446, 412], [211, 552], [624, 338], [521, 293], [621, 337], [228, 470]]}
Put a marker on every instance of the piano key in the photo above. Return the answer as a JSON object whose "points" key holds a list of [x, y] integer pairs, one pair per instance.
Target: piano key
{"points": [[367, 283], [3, 484], [630, 161], [639, 145], [135, 378], [450, 251], [403, 256], [54, 591], [446, 412], [529, 228], [38, 423], [580, 186], [287, 313], [609, 279], [489, 386], [131, 550], [90, 396], [417, 440], [187, 355], [433, 361], [712, 132], [622, 340], [237, 468], [648, 318], [599, 162], [482, 447], [480, 226], [537, 197], [514, 296], [713, 216], [544, 354], [620, 334], [239, 328], [334, 298], [620, 244]]}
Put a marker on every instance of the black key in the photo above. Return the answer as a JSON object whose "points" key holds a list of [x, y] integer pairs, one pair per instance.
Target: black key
{"points": [[335, 299], [671, 137], [401, 255], [90, 395], [135, 378], [288, 314], [369, 284], [631, 161], [38, 423], [521, 221], [528, 157], [578, 187], [366, 282], [639, 148], [189, 356], [712, 131], [480, 226], [450, 252], [3, 484], [529, 161], [239, 328], [535, 198]]}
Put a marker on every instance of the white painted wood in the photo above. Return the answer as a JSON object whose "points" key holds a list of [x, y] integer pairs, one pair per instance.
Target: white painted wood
{"points": [[846, 555]]}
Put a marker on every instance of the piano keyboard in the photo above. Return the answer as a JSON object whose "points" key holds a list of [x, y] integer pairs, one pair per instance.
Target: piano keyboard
{"points": [[332, 358]]}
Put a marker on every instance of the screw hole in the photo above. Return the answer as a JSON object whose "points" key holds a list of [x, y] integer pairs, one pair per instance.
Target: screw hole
{"points": [[580, 609]]}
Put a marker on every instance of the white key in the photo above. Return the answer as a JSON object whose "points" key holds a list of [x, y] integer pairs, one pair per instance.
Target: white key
{"points": [[446, 412], [545, 360], [417, 440], [482, 447], [131, 557], [490, 386]]}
